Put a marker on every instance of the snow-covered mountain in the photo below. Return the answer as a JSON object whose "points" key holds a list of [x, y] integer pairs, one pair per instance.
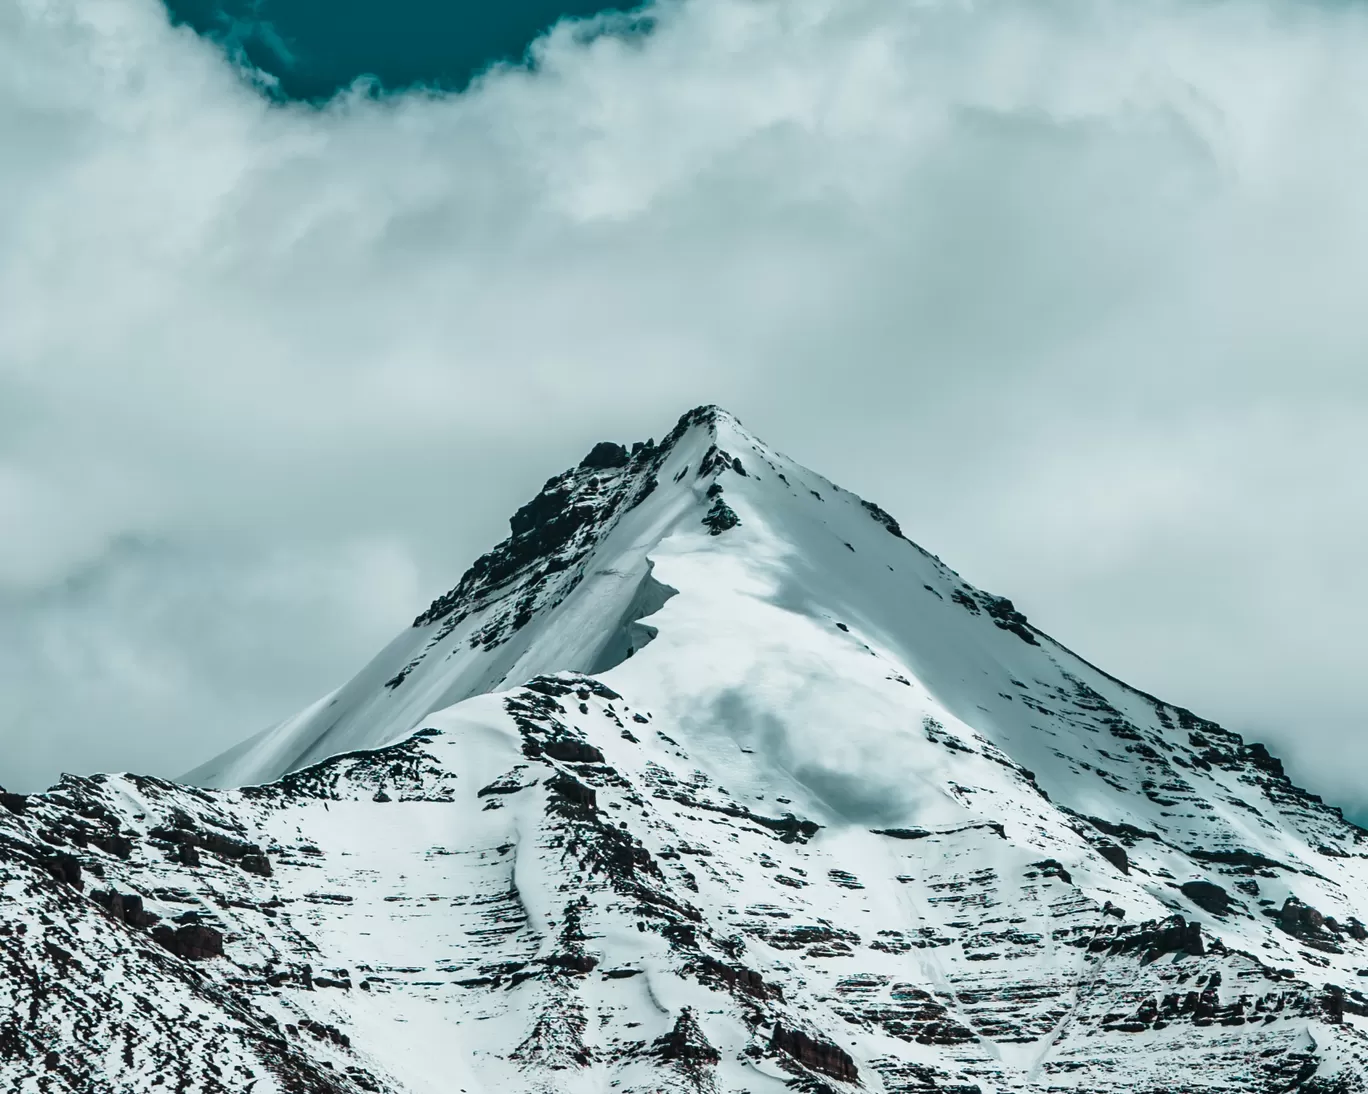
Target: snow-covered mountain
{"points": [[706, 779]]}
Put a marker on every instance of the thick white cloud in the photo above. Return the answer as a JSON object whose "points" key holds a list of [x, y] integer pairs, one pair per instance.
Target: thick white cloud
{"points": [[1074, 288]]}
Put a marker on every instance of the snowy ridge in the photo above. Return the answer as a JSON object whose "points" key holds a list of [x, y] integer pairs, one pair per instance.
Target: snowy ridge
{"points": [[705, 780], [561, 592]]}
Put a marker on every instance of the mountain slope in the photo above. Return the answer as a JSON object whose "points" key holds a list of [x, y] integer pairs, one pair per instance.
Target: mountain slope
{"points": [[706, 779]]}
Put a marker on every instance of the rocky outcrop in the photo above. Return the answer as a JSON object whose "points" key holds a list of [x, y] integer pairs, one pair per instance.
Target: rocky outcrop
{"points": [[1299, 918], [605, 455], [571, 963], [1316, 930], [1208, 896], [194, 941], [66, 868], [125, 907], [815, 1054], [720, 517], [550, 536], [570, 750], [186, 840], [1172, 935], [1005, 615], [686, 1044], [1116, 855], [739, 978], [571, 797], [256, 863]]}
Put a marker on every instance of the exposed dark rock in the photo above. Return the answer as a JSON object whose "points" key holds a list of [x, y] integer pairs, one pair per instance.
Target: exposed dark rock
{"points": [[789, 827], [1053, 868], [605, 455], [821, 1056], [550, 536], [182, 832], [1183, 937], [1154, 938], [15, 803], [1245, 862], [66, 868], [125, 907], [325, 1032], [715, 459], [111, 843], [1318, 931], [922, 833], [194, 942], [572, 797], [571, 963], [187, 841], [1332, 1003], [556, 687], [720, 517], [1128, 833], [621, 854], [740, 978], [686, 1044], [1116, 855], [964, 600], [256, 864], [1208, 896], [572, 750], [1299, 918], [504, 784], [883, 518], [1259, 756], [902, 833], [1005, 615]]}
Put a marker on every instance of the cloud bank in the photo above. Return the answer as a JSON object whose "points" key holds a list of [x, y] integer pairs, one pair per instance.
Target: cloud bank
{"points": [[1073, 288]]}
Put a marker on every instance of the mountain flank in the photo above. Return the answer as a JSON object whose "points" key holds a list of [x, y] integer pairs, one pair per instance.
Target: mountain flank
{"points": [[706, 779]]}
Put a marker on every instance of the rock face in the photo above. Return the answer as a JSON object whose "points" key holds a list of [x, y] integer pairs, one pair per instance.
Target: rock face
{"points": [[815, 1055], [195, 943], [645, 809], [125, 908], [1208, 896], [687, 1044]]}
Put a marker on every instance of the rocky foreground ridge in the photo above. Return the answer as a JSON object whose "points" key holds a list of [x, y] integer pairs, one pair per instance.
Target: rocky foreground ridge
{"points": [[706, 779]]}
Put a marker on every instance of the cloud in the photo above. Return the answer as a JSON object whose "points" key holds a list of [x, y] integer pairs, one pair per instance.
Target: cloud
{"points": [[1072, 288], [138, 660]]}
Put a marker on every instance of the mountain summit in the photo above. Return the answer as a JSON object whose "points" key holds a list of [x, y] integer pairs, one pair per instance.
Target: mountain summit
{"points": [[705, 779]]}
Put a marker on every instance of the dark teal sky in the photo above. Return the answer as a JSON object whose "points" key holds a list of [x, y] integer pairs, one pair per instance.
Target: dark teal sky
{"points": [[315, 47]]}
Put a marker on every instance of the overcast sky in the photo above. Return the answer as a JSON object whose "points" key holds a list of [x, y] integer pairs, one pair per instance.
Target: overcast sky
{"points": [[1076, 290]]}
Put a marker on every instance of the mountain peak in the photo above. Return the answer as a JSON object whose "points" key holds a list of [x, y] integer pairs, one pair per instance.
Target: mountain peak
{"points": [[571, 514], [705, 779], [607, 455], [479, 635]]}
